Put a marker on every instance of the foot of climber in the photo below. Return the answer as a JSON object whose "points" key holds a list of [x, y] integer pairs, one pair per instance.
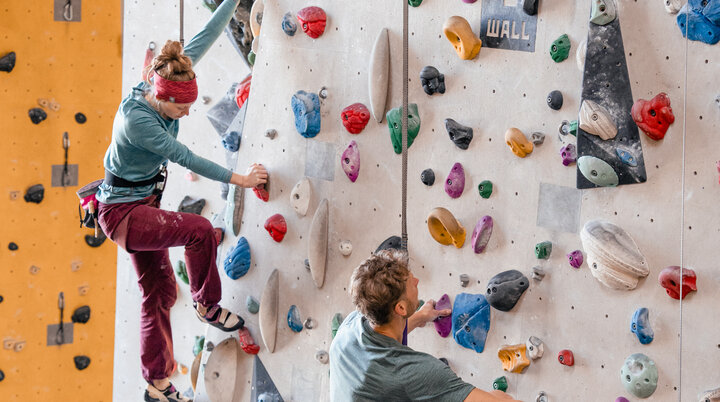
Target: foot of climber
{"points": [[247, 343], [219, 235], [169, 394], [218, 317]]}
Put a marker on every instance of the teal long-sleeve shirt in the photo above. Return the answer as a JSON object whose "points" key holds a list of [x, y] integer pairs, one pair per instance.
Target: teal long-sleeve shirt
{"points": [[143, 141]]}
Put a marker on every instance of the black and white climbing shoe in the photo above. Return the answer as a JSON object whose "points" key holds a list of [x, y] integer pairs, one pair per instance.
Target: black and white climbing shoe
{"points": [[170, 394], [220, 318]]}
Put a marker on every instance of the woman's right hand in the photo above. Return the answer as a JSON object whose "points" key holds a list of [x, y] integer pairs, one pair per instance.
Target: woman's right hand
{"points": [[256, 174]]}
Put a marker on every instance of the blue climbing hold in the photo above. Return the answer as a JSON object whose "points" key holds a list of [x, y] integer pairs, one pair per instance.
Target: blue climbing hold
{"points": [[231, 141], [640, 326], [626, 156], [701, 20], [471, 321], [288, 24], [237, 261], [293, 319], [306, 107]]}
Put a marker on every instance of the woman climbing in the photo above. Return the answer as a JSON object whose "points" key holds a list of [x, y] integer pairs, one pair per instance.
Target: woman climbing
{"points": [[143, 141]]}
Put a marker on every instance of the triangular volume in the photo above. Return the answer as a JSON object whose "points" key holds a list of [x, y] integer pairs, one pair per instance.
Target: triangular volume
{"points": [[263, 387], [607, 83]]}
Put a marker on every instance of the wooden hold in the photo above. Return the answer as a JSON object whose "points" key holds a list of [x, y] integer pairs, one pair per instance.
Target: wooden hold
{"points": [[268, 314], [318, 243], [221, 371], [379, 76], [194, 369], [256, 16]]}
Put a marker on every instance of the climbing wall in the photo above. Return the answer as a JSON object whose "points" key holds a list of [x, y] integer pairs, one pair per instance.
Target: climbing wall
{"points": [[69, 67], [534, 198]]}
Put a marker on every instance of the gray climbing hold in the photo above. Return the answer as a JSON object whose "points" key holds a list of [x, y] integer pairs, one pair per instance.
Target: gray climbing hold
{"points": [[505, 289], [191, 205], [80, 118], [252, 305], [81, 315], [37, 115], [7, 62], [555, 100], [307, 264], [81, 362], [271, 133], [310, 323], [35, 194], [459, 134], [427, 177], [530, 6], [12, 246], [392, 242], [432, 81], [542, 397], [322, 356], [537, 138], [288, 24], [93, 241], [464, 280]]}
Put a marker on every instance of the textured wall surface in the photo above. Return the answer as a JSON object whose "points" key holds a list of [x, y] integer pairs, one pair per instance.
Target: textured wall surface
{"points": [[499, 89]]}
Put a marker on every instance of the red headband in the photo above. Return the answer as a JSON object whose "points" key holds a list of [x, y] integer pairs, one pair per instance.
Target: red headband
{"points": [[175, 91]]}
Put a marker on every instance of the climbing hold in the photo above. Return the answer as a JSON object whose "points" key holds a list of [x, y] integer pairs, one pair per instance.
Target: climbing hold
{"points": [[621, 399], [597, 171], [653, 117], [566, 357], [639, 375], [224, 188], [712, 395], [276, 226], [543, 250], [580, 54], [93, 241], [530, 6], [640, 326], [535, 347], [459, 134], [455, 182], [2, 375], [560, 48], [309, 323], [268, 313], [568, 127], [568, 154], [345, 248], [481, 234], [513, 358], [317, 243], [252, 305], [271, 133], [190, 176], [355, 117], [323, 93], [322, 356], [335, 324], [312, 21], [379, 76], [256, 16], [251, 57], [394, 120], [427, 177], [415, 3], [300, 196], [673, 6], [81, 315], [288, 24], [537, 138], [485, 188], [505, 289], [458, 31], [603, 12], [670, 279], [596, 120], [262, 191], [541, 397], [7, 62], [35, 194], [242, 92], [612, 255], [464, 280], [206, 100], [432, 81], [220, 371], [191, 205], [1, 299], [626, 156], [234, 208], [391, 243], [350, 161], [700, 19], [12, 246], [443, 325], [517, 142], [575, 258], [538, 273], [198, 345], [237, 260], [471, 321], [293, 319], [306, 107], [37, 115], [555, 100], [80, 118], [500, 383], [444, 228], [231, 141], [81, 362]]}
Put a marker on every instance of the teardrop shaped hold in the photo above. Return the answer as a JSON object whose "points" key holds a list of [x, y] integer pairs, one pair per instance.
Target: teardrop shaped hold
{"points": [[379, 75], [671, 279], [513, 358], [640, 325], [268, 314], [504, 290], [471, 321], [481, 234], [300, 196], [444, 228], [394, 120], [312, 21], [519, 145], [318, 243], [350, 161], [252, 305], [597, 171], [355, 117], [237, 261], [443, 325], [653, 117], [276, 226], [306, 108], [455, 182], [293, 319], [457, 30]]}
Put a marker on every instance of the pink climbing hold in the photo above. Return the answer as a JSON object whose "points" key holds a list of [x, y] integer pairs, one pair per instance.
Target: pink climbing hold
{"points": [[481, 234], [350, 161], [621, 399], [455, 182], [575, 258], [443, 325]]}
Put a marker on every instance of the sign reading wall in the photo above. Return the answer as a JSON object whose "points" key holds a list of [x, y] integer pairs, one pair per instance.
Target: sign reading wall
{"points": [[507, 27]]}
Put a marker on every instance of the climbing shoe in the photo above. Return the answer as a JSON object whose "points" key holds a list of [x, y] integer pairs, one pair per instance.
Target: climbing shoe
{"points": [[170, 394], [219, 317]]}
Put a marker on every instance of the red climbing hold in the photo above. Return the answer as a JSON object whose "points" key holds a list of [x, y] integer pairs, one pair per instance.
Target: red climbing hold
{"points": [[670, 279], [242, 91], [566, 357], [276, 226], [653, 116], [355, 117], [312, 20]]}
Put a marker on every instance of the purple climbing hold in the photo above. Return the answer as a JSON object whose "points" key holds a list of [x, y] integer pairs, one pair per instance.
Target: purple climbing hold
{"points": [[443, 325], [350, 161], [569, 154], [455, 182], [621, 399], [481, 234], [575, 258]]}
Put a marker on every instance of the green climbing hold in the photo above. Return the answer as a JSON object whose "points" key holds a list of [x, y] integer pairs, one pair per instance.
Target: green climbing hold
{"points": [[500, 383], [560, 48], [485, 188], [543, 250], [420, 304], [336, 321], [181, 271], [199, 344], [394, 119], [252, 305], [251, 58], [415, 3]]}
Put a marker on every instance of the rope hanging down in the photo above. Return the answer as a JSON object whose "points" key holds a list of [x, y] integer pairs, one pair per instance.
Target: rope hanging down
{"points": [[404, 140], [182, 23]]}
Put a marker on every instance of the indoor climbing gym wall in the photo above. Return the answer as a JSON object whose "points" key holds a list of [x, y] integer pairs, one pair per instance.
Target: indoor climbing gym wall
{"points": [[60, 66], [562, 168]]}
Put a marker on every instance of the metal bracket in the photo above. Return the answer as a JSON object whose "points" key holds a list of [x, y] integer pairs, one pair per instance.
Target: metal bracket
{"points": [[67, 10], [57, 179], [52, 334]]}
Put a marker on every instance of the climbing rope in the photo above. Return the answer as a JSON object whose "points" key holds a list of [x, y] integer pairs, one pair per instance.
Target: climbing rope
{"points": [[404, 239], [182, 23], [682, 210]]}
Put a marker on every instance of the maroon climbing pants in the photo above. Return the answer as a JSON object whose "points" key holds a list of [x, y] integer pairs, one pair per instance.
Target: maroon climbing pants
{"points": [[146, 232]]}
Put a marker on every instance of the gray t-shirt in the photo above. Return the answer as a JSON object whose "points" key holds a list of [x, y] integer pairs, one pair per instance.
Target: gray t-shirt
{"points": [[368, 366]]}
